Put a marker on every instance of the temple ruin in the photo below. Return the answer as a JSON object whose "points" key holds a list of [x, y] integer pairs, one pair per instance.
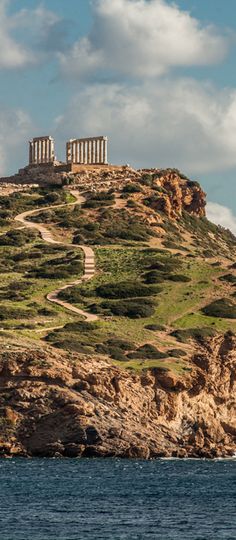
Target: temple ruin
{"points": [[88, 151], [41, 150], [44, 168]]}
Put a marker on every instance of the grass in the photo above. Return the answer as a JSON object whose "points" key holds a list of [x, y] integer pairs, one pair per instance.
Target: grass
{"points": [[178, 303]]}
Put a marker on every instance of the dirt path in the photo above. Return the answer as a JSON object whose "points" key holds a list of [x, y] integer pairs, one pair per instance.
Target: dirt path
{"points": [[89, 256]]}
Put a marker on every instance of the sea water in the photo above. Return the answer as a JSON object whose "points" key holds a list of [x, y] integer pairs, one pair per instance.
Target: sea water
{"points": [[44, 499]]}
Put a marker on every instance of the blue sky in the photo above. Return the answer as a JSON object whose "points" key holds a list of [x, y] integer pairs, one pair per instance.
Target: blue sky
{"points": [[157, 77]]}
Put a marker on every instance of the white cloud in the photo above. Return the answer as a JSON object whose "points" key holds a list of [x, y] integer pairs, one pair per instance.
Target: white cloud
{"points": [[15, 128], [38, 32], [179, 123], [143, 38], [221, 215], [12, 53]]}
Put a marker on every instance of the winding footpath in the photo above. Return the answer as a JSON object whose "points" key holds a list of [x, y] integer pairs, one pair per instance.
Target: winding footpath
{"points": [[89, 256]]}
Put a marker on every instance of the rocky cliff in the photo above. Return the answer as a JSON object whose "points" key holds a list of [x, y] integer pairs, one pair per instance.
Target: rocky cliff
{"points": [[174, 191], [61, 404]]}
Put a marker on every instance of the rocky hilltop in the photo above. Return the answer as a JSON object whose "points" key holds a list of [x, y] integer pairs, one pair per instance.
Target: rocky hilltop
{"points": [[152, 371]]}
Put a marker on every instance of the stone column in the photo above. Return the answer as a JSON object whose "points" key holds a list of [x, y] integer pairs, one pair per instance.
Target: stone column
{"points": [[101, 152], [82, 152], [68, 152], [93, 153], [40, 151], [36, 152], [30, 152], [105, 151]]}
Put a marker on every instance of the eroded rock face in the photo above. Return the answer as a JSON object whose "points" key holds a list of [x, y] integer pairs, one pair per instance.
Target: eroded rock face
{"points": [[60, 404], [176, 194]]}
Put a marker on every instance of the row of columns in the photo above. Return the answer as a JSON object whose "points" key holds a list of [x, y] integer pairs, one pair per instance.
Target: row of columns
{"points": [[90, 151], [41, 150]]}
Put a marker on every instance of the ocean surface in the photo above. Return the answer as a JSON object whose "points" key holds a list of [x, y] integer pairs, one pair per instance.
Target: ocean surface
{"points": [[109, 499]]}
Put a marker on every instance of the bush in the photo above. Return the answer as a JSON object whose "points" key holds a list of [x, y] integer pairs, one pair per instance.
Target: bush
{"points": [[7, 312], [72, 295], [230, 278], [121, 344], [58, 272], [224, 308], [155, 327], [17, 238], [199, 334], [131, 203], [180, 278], [147, 352], [154, 276], [134, 309], [80, 326], [146, 180], [176, 353], [126, 289], [137, 232], [132, 188], [167, 265], [102, 198]]}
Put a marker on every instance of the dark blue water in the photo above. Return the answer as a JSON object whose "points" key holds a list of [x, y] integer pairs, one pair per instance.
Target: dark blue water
{"points": [[117, 500]]}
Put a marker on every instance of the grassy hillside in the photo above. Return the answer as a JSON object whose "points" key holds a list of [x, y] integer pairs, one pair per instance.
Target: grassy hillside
{"points": [[162, 282]]}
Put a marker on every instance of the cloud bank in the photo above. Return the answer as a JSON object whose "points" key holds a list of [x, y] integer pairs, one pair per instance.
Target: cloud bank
{"points": [[29, 36], [221, 215], [179, 123], [139, 38], [15, 125]]}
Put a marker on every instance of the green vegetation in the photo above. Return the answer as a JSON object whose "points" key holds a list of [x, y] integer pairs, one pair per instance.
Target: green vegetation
{"points": [[98, 199], [224, 308], [126, 289], [229, 278], [147, 298], [199, 334], [134, 309], [132, 188], [18, 238]]}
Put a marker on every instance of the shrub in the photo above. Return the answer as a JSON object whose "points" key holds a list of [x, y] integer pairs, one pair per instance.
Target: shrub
{"points": [[168, 264], [115, 352], [50, 272], [17, 238], [80, 326], [154, 276], [132, 188], [7, 312], [121, 344], [102, 198], [199, 334], [230, 278], [147, 352], [146, 180], [155, 327], [176, 353], [126, 289], [131, 203], [129, 231], [180, 278], [134, 309], [224, 308]]}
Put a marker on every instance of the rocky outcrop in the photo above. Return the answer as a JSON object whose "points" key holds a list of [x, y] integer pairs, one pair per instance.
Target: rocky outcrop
{"points": [[173, 192], [54, 403]]}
